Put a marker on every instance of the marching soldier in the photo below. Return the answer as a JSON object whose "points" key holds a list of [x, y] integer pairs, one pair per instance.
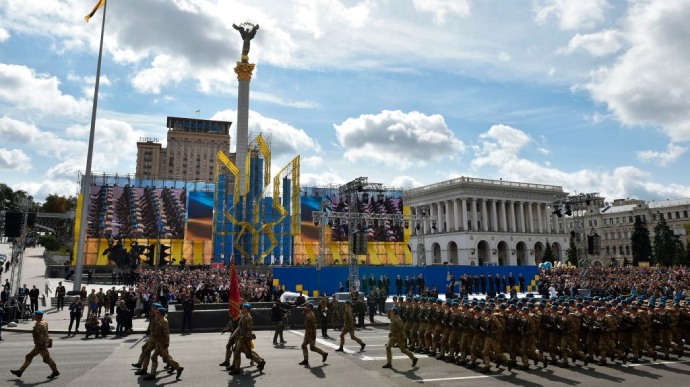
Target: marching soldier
{"points": [[334, 313], [230, 346], [445, 330], [244, 336], [478, 336], [423, 316], [397, 337], [529, 326], [570, 328], [432, 320], [413, 319], [310, 336], [161, 336], [493, 328], [323, 315], [150, 343], [41, 344], [513, 334], [453, 324], [467, 326], [349, 327]]}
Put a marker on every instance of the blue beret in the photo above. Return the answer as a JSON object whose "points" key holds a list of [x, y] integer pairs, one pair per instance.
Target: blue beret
{"points": [[554, 307], [525, 309], [566, 310], [439, 301], [247, 306], [38, 313], [513, 307], [396, 310], [477, 307], [162, 310], [634, 307], [309, 305], [348, 302], [156, 305], [487, 309]]}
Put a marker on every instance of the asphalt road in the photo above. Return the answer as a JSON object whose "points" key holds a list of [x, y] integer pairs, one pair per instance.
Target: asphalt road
{"points": [[107, 363]]}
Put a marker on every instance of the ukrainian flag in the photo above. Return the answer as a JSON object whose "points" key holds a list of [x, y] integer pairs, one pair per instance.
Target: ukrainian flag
{"points": [[98, 5]]}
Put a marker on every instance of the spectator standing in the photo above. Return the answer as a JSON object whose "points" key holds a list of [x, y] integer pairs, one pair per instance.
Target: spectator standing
{"points": [[76, 309], [92, 301], [33, 298], [187, 309], [122, 316], [398, 286], [100, 299], [60, 292]]}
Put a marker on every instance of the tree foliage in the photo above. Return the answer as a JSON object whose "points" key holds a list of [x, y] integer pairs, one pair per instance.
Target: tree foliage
{"points": [[548, 253], [59, 204], [639, 240], [572, 250], [665, 243]]}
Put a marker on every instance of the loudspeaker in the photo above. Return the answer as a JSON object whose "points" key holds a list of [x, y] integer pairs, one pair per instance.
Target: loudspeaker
{"points": [[13, 224]]}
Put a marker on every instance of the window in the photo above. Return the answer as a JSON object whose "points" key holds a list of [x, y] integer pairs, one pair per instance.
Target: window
{"points": [[607, 251], [669, 216], [685, 214], [595, 222], [677, 214], [630, 219], [654, 217], [627, 250]]}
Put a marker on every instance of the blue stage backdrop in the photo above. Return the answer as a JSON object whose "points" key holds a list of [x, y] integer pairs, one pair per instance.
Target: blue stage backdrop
{"points": [[307, 279]]}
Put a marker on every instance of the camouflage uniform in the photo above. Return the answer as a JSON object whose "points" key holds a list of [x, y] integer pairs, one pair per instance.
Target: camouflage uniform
{"points": [[529, 325], [397, 337], [493, 331], [245, 335], [349, 327], [161, 337], [310, 336], [41, 343]]}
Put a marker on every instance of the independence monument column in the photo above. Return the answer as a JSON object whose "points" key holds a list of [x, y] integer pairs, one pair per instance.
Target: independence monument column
{"points": [[244, 76]]}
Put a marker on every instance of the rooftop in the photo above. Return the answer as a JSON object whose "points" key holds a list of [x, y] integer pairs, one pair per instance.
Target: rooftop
{"points": [[487, 182]]}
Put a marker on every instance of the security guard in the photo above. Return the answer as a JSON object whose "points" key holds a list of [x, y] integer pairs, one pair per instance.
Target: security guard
{"points": [[349, 327], [41, 344]]}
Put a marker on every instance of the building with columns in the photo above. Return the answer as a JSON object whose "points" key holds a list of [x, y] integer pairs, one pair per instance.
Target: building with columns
{"points": [[471, 221], [613, 222]]}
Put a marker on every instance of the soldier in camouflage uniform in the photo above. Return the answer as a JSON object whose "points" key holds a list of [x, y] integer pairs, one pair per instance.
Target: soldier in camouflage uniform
{"points": [[478, 336], [492, 327], [466, 325], [150, 343], [432, 321], [310, 335], [41, 344], [245, 335], [334, 313], [413, 316], [446, 327], [161, 336], [349, 327], [529, 326], [397, 337], [513, 334], [422, 317], [569, 325], [453, 324]]}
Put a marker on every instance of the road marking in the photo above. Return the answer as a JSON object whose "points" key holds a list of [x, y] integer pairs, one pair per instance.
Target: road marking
{"points": [[456, 378], [356, 354], [655, 363]]}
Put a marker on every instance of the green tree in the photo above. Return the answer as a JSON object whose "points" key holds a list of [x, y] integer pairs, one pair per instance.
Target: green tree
{"points": [[641, 245], [548, 253], [59, 204], [665, 245], [50, 242], [572, 250], [681, 256]]}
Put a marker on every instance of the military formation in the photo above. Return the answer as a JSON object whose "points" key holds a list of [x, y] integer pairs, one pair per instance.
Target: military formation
{"points": [[157, 346], [557, 331]]}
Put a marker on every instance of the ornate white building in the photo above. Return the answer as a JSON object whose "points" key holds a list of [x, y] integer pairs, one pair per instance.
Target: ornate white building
{"points": [[470, 221]]}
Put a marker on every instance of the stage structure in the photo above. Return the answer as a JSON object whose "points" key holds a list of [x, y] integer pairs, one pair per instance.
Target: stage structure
{"points": [[127, 213], [362, 223], [579, 207], [256, 219], [259, 227]]}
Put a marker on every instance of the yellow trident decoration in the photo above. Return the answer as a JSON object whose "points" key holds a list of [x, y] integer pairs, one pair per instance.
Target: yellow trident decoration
{"points": [[252, 223]]}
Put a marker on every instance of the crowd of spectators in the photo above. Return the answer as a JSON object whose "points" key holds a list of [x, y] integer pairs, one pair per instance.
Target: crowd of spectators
{"points": [[617, 280]]}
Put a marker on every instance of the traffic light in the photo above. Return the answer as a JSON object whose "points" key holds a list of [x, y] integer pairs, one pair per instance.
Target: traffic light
{"points": [[150, 254], [164, 254]]}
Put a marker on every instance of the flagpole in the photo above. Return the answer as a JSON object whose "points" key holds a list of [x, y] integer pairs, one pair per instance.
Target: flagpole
{"points": [[86, 181]]}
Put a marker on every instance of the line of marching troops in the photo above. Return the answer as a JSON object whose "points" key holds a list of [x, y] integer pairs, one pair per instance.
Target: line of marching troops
{"points": [[555, 331]]}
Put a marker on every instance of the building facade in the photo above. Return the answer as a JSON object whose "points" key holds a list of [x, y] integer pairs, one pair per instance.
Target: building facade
{"points": [[470, 221], [614, 223], [192, 146]]}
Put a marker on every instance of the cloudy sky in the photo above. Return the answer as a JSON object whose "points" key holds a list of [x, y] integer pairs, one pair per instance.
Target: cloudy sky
{"points": [[592, 95]]}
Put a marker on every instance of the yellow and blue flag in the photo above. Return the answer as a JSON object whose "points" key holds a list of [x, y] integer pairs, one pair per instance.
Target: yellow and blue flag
{"points": [[98, 5]]}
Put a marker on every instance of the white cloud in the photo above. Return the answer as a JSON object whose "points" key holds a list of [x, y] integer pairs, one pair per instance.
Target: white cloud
{"points": [[500, 148], [571, 15], [398, 139], [4, 35], [644, 86], [597, 44], [285, 139], [14, 159], [321, 179], [23, 88], [17, 132], [442, 9], [165, 70], [663, 158], [406, 182]]}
